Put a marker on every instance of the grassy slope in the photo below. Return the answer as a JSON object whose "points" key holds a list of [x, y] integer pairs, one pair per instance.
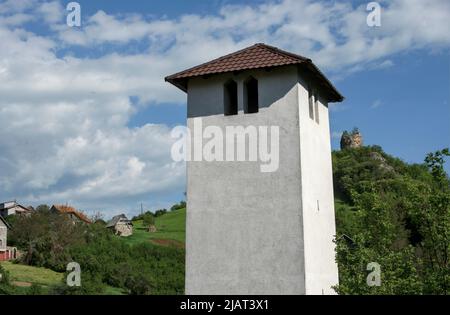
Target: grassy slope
{"points": [[41, 276], [170, 226]]}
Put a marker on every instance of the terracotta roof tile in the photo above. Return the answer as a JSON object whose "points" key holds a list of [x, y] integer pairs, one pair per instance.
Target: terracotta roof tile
{"points": [[254, 57], [71, 210]]}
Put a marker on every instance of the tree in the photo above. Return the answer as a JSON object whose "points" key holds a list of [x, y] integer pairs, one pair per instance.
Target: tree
{"points": [[375, 241], [160, 212], [398, 218], [5, 285], [43, 208], [98, 218], [181, 205], [431, 221], [148, 220], [44, 238]]}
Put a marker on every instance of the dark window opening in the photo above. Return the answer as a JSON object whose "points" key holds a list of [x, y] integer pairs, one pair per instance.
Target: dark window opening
{"points": [[251, 96], [230, 98], [311, 103], [316, 108]]}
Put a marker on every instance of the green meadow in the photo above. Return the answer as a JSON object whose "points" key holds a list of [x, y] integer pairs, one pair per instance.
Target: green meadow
{"points": [[171, 230]]}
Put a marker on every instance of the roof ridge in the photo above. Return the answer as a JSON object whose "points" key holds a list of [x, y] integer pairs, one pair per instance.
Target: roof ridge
{"points": [[261, 45], [284, 52], [69, 209], [212, 61]]}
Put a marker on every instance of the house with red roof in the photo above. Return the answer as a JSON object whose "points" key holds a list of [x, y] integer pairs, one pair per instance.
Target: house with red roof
{"points": [[75, 215]]}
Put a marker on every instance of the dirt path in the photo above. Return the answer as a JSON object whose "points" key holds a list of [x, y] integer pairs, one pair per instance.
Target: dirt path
{"points": [[22, 284], [168, 243]]}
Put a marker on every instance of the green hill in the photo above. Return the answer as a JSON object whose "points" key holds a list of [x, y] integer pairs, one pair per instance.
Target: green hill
{"points": [[395, 214], [171, 230]]}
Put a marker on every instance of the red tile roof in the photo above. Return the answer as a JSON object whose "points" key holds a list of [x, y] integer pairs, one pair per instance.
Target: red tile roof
{"points": [[254, 57], [71, 210]]}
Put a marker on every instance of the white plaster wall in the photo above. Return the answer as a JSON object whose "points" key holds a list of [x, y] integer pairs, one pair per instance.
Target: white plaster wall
{"points": [[260, 233], [244, 227], [11, 211], [317, 196], [7, 204]]}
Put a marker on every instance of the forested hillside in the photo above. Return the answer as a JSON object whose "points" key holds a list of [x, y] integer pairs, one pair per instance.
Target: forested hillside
{"points": [[394, 214]]}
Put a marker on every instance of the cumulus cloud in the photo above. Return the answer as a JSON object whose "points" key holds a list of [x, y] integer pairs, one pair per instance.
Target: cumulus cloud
{"points": [[52, 12], [64, 114], [64, 131], [334, 34]]}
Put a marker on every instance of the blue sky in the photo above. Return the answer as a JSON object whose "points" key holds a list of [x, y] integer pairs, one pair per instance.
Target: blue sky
{"points": [[87, 114], [404, 108]]}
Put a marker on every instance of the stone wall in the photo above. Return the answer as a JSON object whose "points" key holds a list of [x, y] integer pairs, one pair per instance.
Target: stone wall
{"points": [[351, 140], [123, 229]]}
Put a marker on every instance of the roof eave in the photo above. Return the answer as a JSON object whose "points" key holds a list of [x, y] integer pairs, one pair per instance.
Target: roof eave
{"points": [[177, 83], [335, 95]]}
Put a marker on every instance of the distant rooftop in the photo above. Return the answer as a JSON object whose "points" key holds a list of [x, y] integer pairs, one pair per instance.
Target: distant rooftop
{"points": [[13, 204], [71, 210], [116, 219]]}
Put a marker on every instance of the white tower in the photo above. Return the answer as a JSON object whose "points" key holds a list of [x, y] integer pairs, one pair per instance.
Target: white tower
{"points": [[249, 231]]}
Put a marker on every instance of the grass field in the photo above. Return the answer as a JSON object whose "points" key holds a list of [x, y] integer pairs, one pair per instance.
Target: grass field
{"points": [[170, 232], [170, 227], [23, 276]]}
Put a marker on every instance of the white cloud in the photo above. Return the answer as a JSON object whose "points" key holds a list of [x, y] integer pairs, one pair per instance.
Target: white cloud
{"points": [[15, 19], [52, 12], [15, 6], [64, 128], [334, 34]]}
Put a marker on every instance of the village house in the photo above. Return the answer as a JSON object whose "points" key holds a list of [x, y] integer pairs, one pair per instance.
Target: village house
{"points": [[6, 252], [72, 213], [121, 225], [11, 208]]}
